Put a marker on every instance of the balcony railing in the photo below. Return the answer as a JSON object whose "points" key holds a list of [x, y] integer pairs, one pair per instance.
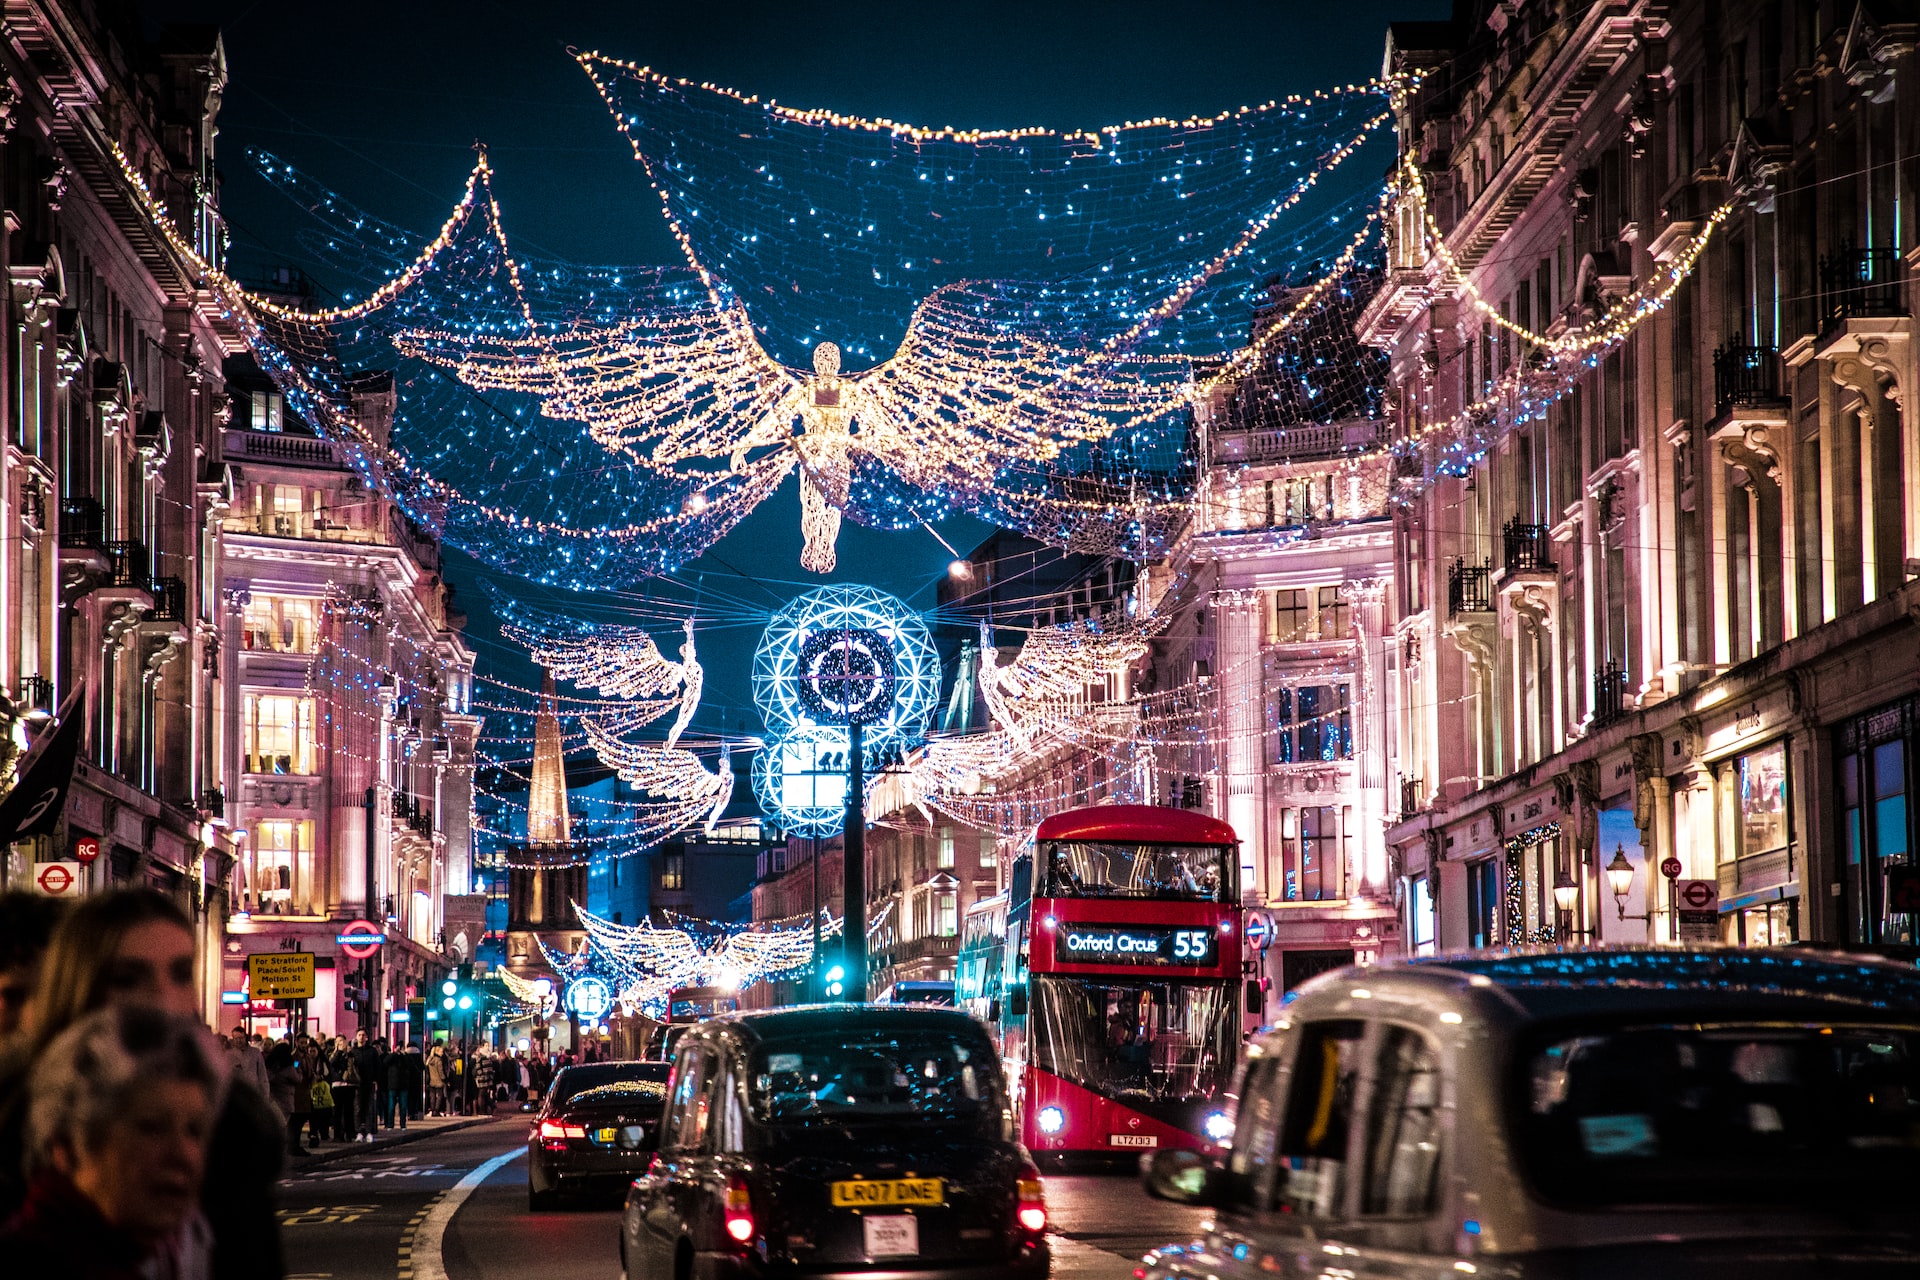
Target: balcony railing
{"points": [[82, 523], [1609, 694], [1526, 548], [411, 810], [1745, 377], [1469, 588], [127, 562], [36, 693], [1411, 799], [169, 599], [1859, 282], [213, 802]]}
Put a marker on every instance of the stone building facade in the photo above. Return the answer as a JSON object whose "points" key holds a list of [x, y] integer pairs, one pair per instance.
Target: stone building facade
{"points": [[1669, 617], [348, 736], [111, 395]]}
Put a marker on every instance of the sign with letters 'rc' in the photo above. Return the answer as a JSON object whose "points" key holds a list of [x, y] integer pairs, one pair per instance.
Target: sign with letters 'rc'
{"points": [[280, 975]]}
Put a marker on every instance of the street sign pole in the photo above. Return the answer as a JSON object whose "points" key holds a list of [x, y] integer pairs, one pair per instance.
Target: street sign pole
{"points": [[853, 929]]}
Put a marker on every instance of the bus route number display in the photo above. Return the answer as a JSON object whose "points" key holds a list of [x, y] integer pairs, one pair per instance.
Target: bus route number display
{"points": [[1136, 944]]}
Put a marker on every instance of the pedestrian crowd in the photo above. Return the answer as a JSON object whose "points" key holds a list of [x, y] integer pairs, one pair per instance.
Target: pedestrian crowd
{"points": [[138, 1144]]}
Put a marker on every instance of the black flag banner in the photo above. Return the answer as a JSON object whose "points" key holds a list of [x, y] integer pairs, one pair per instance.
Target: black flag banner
{"points": [[34, 805]]}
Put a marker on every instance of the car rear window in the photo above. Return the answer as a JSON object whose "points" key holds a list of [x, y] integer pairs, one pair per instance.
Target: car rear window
{"points": [[610, 1082], [872, 1076], [1723, 1114]]}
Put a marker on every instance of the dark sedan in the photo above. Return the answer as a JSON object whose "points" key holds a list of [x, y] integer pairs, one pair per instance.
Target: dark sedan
{"points": [[847, 1140], [596, 1129]]}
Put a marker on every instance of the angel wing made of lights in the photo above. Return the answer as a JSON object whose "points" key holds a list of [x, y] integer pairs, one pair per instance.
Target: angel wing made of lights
{"points": [[623, 662], [668, 771], [1049, 678]]}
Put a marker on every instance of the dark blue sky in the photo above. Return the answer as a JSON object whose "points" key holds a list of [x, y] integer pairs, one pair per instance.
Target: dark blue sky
{"points": [[383, 102]]}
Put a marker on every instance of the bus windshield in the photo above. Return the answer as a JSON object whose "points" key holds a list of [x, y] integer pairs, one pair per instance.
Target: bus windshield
{"points": [[1157, 1041], [1178, 873]]}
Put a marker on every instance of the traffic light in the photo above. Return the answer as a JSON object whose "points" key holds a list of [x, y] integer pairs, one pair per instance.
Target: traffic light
{"points": [[833, 983]]}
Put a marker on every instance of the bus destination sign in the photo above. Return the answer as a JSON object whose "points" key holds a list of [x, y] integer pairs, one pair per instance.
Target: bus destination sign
{"points": [[1136, 944]]}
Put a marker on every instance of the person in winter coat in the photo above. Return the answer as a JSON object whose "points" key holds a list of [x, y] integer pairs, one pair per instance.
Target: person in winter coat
{"points": [[437, 1080], [122, 1105], [134, 948], [285, 1084], [401, 1067], [483, 1081], [345, 1081], [370, 1065]]}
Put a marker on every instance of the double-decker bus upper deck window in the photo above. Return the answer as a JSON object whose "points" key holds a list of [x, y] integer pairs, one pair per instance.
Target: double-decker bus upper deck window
{"points": [[1175, 873]]}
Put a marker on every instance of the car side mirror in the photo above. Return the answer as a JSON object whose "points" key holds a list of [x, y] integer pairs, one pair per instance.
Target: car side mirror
{"points": [[1017, 1002], [1182, 1176]]}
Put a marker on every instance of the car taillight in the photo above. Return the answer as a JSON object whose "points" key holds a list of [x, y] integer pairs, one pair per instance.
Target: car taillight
{"points": [[739, 1210], [1031, 1210], [554, 1129]]}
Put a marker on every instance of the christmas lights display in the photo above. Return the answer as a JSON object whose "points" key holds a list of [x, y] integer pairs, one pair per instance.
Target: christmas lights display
{"points": [[845, 624], [671, 772], [1022, 309]]}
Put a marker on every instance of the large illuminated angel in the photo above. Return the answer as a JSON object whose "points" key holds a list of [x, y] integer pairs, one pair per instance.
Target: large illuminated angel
{"points": [[697, 395], [1053, 672]]}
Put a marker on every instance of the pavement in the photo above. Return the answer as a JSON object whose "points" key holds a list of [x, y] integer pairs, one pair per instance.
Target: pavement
{"points": [[426, 1127], [451, 1204]]}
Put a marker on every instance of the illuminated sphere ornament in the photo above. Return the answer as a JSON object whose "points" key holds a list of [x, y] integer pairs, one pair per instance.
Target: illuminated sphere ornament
{"points": [[801, 780], [847, 654], [588, 997]]}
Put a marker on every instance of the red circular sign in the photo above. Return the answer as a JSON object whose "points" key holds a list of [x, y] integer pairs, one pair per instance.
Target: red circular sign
{"points": [[1670, 868], [86, 849], [54, 879], [361, 950], [1697, 894]]}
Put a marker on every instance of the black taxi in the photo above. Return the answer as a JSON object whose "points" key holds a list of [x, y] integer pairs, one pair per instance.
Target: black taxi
{"points": [[837, 1140]]}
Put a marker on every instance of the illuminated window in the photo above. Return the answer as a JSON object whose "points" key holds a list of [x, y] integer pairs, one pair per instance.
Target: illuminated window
{"points": [[281, 880], [277, 733], [282, 509], [1335, 616], [989, 850], [673, 869], [946, 846], [947, 915], [1288, 624], [269, 411], [281, 624]]}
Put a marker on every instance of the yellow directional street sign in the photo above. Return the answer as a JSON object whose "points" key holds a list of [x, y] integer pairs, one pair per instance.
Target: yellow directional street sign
{"points": [[280, 975]]}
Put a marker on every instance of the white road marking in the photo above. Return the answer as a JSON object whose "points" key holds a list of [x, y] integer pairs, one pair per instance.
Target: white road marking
{"points": [[420, 1249]]}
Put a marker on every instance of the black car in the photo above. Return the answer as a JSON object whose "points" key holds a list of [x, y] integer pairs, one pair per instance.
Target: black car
{"points": [[596, 1129], [837, 1140]]}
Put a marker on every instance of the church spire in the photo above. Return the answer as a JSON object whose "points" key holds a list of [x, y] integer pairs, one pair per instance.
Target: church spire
{"points": [[547, 818]]}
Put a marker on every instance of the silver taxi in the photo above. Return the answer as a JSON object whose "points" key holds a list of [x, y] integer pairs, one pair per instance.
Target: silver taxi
{"points": [[1693, 1114]]}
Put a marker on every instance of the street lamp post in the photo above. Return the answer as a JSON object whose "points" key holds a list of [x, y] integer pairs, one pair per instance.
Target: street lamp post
{"points": [[1620, 882]]}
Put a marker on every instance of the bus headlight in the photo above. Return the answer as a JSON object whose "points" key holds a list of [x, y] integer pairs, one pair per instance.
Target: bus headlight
{"points": [[1219, 1126], [1051, 1119]]}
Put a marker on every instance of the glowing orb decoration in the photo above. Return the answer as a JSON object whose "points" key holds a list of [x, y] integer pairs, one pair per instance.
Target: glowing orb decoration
{"points": [[588, 997], [834, 654], [801, 779]]}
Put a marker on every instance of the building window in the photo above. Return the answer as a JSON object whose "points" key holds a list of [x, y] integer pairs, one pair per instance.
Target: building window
{"points": [[280, 624], [1483, 903], [1881, 878], [281, 881], [989, 850], [1762, 778], [1420, 921], [947, 915], [269, 413], [673, 869], [1335, 615], [1311, 863], [1309, 723], [946, 847], [1289, 621], [277, 733]]}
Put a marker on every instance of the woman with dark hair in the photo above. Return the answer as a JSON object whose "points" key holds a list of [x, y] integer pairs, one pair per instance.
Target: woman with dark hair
{"points": [[120, 1108], [134, 948]]}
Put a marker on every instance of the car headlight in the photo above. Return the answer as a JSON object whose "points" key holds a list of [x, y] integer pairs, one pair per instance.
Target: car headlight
{"points": [[1219, 1126], [1052, 1119]]}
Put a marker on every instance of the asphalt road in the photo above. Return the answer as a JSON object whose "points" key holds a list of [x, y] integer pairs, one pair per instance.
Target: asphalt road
{"points": [[435, 1210]]}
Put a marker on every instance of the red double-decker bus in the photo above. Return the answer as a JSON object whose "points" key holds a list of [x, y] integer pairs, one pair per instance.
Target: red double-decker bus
{"points": [[1111, 972]]}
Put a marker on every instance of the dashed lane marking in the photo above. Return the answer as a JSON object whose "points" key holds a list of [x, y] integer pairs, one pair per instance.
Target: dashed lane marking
{"points": [[420, 1244]]}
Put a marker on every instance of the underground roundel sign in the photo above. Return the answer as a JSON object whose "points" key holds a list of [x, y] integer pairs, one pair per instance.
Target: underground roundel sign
{"points": [[846, 675]]}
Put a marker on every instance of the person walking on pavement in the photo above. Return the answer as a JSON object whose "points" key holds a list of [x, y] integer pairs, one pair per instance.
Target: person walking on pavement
{"points": [[346, 1085], [284, 1085], [369, 1063], [437, 1079], [249, 1064], [483, 1078], [399, 1083]]}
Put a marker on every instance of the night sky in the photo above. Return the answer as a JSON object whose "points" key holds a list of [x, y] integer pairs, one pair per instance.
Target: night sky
{"points": [[383, 102]]}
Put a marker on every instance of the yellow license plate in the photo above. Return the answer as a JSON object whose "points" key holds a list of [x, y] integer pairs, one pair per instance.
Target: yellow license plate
{"points": [[605, 1135], [888, 1193]]}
